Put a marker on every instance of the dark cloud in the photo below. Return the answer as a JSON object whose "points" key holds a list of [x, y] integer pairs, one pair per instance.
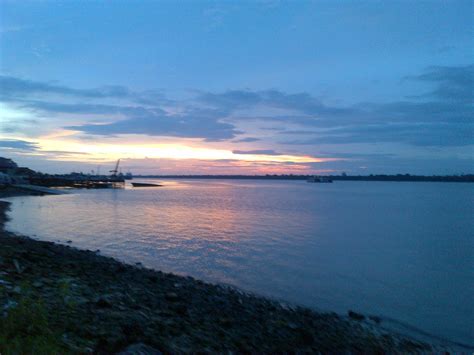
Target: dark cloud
{"points": [[15, 86], [353, 156], [18, 144], [418, 134], [85, 108], [246, 140], [145, 116], [440, 117], [455, 84], [258, 152], [204, 125], [63, 152], [301, 102]]}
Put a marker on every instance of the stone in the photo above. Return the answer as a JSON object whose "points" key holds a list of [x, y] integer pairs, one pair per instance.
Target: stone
{"points": [[17, 265], [140, 349], [375, 319], [103, 302], [37, 284], [355, 315], [4, 283], [171, 296], [10, 304]]}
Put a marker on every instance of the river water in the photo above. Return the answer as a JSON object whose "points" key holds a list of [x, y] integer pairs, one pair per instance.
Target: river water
{"points": [[396, 249]]}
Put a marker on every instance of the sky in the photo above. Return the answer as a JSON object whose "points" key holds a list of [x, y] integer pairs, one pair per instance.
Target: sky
{"points": [[238, 87]]}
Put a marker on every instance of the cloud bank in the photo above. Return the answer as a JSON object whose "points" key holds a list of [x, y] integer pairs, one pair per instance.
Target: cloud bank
{"points": [[440, 116]]}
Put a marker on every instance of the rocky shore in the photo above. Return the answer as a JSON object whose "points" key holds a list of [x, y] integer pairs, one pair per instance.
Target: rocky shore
{"points": [[12, 191], [55, 299]]}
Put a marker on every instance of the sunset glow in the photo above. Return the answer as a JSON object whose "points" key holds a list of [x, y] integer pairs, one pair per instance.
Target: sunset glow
{"points": [[72, 150]]}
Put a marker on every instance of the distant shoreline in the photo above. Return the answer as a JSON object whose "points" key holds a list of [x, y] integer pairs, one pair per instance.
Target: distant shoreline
{"points": [[396, 178]]}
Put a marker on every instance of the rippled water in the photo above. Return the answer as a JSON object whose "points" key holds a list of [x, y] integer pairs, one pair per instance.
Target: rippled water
{"points": [[400, 250]]}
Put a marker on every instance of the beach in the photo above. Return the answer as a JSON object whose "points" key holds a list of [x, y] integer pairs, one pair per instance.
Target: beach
{"points": [[77, 301]]}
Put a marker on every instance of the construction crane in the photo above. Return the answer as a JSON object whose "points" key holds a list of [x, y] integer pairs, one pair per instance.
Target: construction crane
{"points": [[115, 171]]}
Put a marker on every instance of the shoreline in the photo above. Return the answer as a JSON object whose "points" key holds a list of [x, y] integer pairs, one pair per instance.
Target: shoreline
{"points": [[96, 304]]}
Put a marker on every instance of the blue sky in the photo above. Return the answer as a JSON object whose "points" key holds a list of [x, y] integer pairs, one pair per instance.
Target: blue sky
{"points": [[238, 87]]}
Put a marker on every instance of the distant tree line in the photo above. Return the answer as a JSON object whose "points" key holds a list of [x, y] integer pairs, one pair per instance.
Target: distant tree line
{"points": [[343, 177]]}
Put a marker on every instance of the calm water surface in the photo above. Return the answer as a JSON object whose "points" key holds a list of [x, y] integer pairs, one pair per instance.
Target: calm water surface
{"points": [[400, 250]]}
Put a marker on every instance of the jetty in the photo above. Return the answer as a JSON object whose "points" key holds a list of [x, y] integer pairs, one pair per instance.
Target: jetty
{"points": [[39, 189], [82, 181]]}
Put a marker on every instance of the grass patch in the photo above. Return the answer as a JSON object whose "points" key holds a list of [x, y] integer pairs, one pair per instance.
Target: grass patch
{"points": [[26, 330]]}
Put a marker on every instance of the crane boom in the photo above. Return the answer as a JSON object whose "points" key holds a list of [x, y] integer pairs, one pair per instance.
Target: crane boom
{"points": [[115, 171]]}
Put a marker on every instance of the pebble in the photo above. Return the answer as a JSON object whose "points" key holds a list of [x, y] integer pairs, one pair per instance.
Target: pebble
{"points": [[38, 284], [171, 296], [140, 349], [5, 283], [355, 315], [103, 302]]}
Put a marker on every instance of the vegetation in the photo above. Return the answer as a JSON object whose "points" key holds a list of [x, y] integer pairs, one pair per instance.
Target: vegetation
{"points": [[342, 177], [27, 330]]}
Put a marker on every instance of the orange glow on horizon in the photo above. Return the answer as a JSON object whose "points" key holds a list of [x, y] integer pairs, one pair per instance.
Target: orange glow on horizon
{"points": [[172, 156], [72, 150]]}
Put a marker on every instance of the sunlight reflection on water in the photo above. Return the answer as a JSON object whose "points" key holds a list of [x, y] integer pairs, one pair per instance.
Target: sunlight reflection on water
{"points": [[402, 250]]}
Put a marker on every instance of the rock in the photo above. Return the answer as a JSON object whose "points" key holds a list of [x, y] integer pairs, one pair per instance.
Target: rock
{"points": [[37, 284], [180, 309], [225, 322], [4, 283], [18, 267], [9, 304], [375, 319], [140, 349], [171, 296], [103, 302], [355, 315], [292, 325]]}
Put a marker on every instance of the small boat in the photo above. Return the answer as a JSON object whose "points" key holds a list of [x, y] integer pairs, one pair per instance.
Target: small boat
{"points": [[144, 184], [321, 179], [92, 184], [98, 185]]}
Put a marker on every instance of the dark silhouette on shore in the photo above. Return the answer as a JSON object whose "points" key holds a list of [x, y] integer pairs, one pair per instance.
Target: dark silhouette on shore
{"points": [[378, 177]]}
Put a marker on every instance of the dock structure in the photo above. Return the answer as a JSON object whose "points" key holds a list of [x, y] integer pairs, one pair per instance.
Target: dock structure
{"points": [[39, 189], [27, 179], [79, 182], [82, 181]]}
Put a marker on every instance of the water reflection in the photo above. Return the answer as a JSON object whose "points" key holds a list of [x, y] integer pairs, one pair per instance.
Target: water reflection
{"points": [[400, 250]]}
